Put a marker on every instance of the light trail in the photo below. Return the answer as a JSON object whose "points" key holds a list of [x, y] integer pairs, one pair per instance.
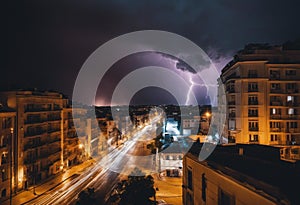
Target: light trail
{"points": [[93, 177]]}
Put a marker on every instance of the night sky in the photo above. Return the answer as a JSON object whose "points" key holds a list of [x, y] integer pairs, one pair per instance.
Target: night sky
{"points": [[47, 42]]}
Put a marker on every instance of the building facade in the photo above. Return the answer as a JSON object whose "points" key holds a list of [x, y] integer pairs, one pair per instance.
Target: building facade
{"points": [[239, 174], [9, 175], [262, 87], [39, 130]]}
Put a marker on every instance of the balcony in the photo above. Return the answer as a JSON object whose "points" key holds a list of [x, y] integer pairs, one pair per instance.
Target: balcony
{"points": [[293, 130], [253, 128], [31, 134], [275, 76], [276, 103], [54, 118], [33, 146], [278, 90], [275, 129], [291, 91], [34, 121], [50, 141], [37, 109], [53, 130], [252, 114], [231, 103], [252, 90], [275, 116], [232, 115], [252, 102]]}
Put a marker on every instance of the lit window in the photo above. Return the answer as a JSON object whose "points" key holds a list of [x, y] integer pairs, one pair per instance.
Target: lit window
{"points": [[290, 98], [291, 111]]}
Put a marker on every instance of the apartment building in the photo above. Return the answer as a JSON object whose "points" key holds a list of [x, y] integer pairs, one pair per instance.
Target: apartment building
{"points": [[73, 138], [39, 131], [239, 174], [262, 85], [9, 175]]}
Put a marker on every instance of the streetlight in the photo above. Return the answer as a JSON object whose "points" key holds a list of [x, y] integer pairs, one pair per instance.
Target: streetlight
{"points": [[11, 164]]}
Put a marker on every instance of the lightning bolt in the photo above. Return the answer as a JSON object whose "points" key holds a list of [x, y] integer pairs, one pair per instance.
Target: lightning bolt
{"points": [[192, 84]]}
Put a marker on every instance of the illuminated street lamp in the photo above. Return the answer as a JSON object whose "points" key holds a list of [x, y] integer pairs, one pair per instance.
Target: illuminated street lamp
{"points": [[80, 146], [11, 164]]}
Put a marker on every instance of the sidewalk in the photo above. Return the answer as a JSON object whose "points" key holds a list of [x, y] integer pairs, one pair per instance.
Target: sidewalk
{"points": [[169, 189], [27, 195]]}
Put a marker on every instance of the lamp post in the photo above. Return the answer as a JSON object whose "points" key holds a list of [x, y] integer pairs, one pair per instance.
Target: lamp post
{"points": [[11, 164]]}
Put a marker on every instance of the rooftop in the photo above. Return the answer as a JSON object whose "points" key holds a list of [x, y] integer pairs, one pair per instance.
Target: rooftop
{"points": [[288, 52], [259, 167]]}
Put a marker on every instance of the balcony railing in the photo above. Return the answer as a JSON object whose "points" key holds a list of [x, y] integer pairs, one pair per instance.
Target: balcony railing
{"points": [[232, 115], [276, 90], [53, 130], [275, 116], [252, 89], [34, 121], [252, 102], [275, 76], [252, 114], [30, 134], [54, 118], [276, 103], [253, 128], [231, 103], [292, 91], [276, 129]]}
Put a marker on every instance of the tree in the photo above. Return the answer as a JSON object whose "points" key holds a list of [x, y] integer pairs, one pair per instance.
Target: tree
{"points": [[136, 190], [86, 196]]}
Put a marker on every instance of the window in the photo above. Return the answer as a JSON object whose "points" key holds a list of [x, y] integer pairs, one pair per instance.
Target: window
{"points": [[274, 74], [290, 98], [4, 174], [275, 124], [275, 86], [291, 111], [274, 137], [225, 198], [253, 138], [190, 179], [290, 86], [230, 87], [252, 100], [290, 72], [203, 187], [252, 87], [253, 126], [275, 111], [231, 125], [253, 112], [292, 124]]}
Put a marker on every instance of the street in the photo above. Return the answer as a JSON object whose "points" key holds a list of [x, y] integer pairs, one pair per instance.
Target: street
{"points": [[102, 175]]}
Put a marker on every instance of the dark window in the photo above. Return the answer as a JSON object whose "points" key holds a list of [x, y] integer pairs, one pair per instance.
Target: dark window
{"points": [[3, 193], [253, 112], [190, 180], [290, 72], [252, 87], [225, 198], [253, 126], [203, 187]]}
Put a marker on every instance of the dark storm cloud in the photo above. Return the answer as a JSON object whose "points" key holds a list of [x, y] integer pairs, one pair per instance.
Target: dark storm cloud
{"points": [[48, 41]]}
